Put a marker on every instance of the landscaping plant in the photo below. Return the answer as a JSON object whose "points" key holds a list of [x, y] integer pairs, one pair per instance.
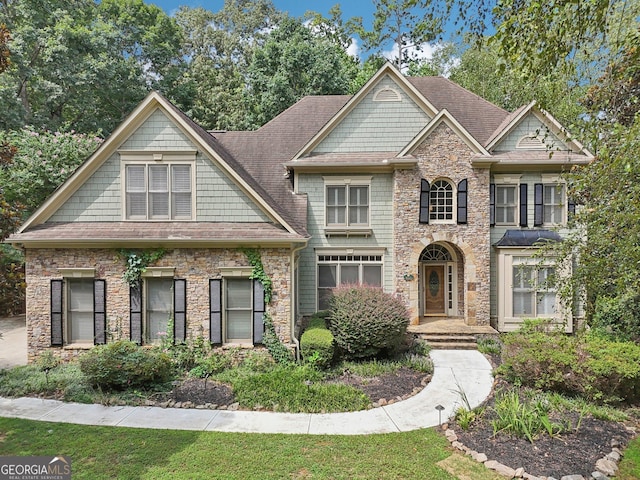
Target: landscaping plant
{"points": [[123, 364], [366, 321]]}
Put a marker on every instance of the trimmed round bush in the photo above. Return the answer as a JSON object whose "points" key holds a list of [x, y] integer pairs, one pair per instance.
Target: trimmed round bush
{"points": [[366, 321], [316, 346], [123, 364]]}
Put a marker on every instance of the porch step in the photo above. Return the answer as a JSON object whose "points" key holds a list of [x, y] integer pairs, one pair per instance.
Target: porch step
{"points": [[450, 341]]}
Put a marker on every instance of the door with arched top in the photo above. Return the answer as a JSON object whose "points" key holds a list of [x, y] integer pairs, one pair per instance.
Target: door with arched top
{"points": [[434, 294]]}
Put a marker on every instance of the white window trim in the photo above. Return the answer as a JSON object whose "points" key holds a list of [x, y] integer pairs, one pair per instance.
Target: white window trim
{"points": [[348, 252], [346, 229], [516, 216], [74, 274], [454, 202], [554, 179], [236, 273], [77, 272], [151, 273], [507, 321], [144, 157]]}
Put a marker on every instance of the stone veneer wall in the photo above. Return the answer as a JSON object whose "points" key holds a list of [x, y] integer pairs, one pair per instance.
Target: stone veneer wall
{"points": [[196, 266], [444, 155]]}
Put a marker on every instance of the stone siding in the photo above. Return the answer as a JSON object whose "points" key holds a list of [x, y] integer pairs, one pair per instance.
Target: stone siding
{"points": [[444, 155], [196, 266]]}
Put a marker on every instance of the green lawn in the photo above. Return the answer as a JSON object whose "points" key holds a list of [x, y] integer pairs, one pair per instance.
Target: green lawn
{"points": [[113, 452]]}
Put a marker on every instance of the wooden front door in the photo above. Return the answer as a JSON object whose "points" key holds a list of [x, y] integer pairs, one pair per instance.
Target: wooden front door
{"points": [[434, 282]]}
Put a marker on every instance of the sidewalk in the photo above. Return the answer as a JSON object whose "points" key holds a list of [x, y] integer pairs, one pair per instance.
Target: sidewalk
{"points": [[459, 377]]}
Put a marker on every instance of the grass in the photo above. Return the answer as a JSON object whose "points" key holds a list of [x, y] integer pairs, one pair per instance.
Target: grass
{"points": [[112, 452], [630, 464]]}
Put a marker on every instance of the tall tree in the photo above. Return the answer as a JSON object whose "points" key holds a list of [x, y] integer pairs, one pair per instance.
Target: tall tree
{"points": [[81, 64], [219, 46], [408, 24], [477, 69], [292, 63], [4, 47]]}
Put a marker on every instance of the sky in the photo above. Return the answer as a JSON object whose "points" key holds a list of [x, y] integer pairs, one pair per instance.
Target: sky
{"points": [[297, 8]]}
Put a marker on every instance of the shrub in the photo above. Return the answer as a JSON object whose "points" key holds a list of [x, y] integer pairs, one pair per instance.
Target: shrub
{"points": [[316, 344], [291, 388], [122, 364], [214, 363], [587, 365], [366, 321], [618, 317]]}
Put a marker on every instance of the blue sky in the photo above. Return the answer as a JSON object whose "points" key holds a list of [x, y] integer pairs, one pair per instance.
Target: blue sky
{"points": [[296, 8]]}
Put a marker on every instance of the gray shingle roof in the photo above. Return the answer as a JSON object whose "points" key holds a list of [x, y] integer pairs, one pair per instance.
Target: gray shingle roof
{"points": [[156, 232], [478, 116]]}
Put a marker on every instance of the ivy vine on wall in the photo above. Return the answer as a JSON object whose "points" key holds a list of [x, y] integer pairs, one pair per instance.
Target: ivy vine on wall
{"points": [[137, 262], [258, 273]]}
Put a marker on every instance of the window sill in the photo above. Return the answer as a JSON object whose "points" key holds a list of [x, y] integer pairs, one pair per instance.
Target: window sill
{"points": [[348, 232], [78, 346]]}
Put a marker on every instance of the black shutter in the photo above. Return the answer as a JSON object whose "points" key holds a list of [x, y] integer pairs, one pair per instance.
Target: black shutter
{"points": [[258, 311], [424, 201], [462, 202], [57, 307], [492, 204], [524, 221], [538, 213], [135, 313], [571, 208], [215, 311], [179, 310], [99, 312]]}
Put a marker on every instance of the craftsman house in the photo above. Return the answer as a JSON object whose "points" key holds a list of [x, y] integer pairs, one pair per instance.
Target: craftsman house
{"points": [[413, 184]]}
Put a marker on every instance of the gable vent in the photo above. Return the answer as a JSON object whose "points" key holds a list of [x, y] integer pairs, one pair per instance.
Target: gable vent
{"points": [[531, 142], [387, 95]]}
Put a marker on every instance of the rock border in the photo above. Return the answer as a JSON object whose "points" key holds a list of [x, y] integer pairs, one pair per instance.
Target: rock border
{"points": [[605, 467]]}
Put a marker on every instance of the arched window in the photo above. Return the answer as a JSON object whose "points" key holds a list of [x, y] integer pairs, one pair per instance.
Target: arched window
{"points": [[441, 201], [436, 253]]}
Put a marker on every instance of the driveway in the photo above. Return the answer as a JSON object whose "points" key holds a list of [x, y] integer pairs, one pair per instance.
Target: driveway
{"points": [[13, 343]]}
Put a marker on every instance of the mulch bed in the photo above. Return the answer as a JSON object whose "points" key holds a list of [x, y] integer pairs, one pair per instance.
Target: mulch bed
{"points": [[572, 453]]}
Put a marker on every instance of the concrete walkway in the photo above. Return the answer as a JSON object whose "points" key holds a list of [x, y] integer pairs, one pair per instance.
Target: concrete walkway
{"points": [[460, 378], [13, 343]]}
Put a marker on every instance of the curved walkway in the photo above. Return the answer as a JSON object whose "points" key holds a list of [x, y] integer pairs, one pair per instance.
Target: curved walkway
{"points": [[460, 378]]}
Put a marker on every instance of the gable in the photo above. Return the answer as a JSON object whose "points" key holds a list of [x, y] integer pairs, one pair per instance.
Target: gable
{"points": [[530, 134], [100, 197], [385, 120]]}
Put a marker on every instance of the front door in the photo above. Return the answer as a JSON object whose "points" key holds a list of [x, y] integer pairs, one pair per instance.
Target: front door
{"points": [[434, 282]]}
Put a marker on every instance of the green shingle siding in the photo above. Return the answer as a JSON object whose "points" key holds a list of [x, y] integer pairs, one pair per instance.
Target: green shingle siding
{"points": [[381, 220], [376, 126], [527, 126]]}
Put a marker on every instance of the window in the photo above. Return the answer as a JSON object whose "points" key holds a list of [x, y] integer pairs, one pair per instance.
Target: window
{"points": [[79, 310], [441, 201], [334, 270], [159, 308], [533, 291], [553, 204], [160, 303], [506, 204], [158, 191], [347, 205], [238, 309]]}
